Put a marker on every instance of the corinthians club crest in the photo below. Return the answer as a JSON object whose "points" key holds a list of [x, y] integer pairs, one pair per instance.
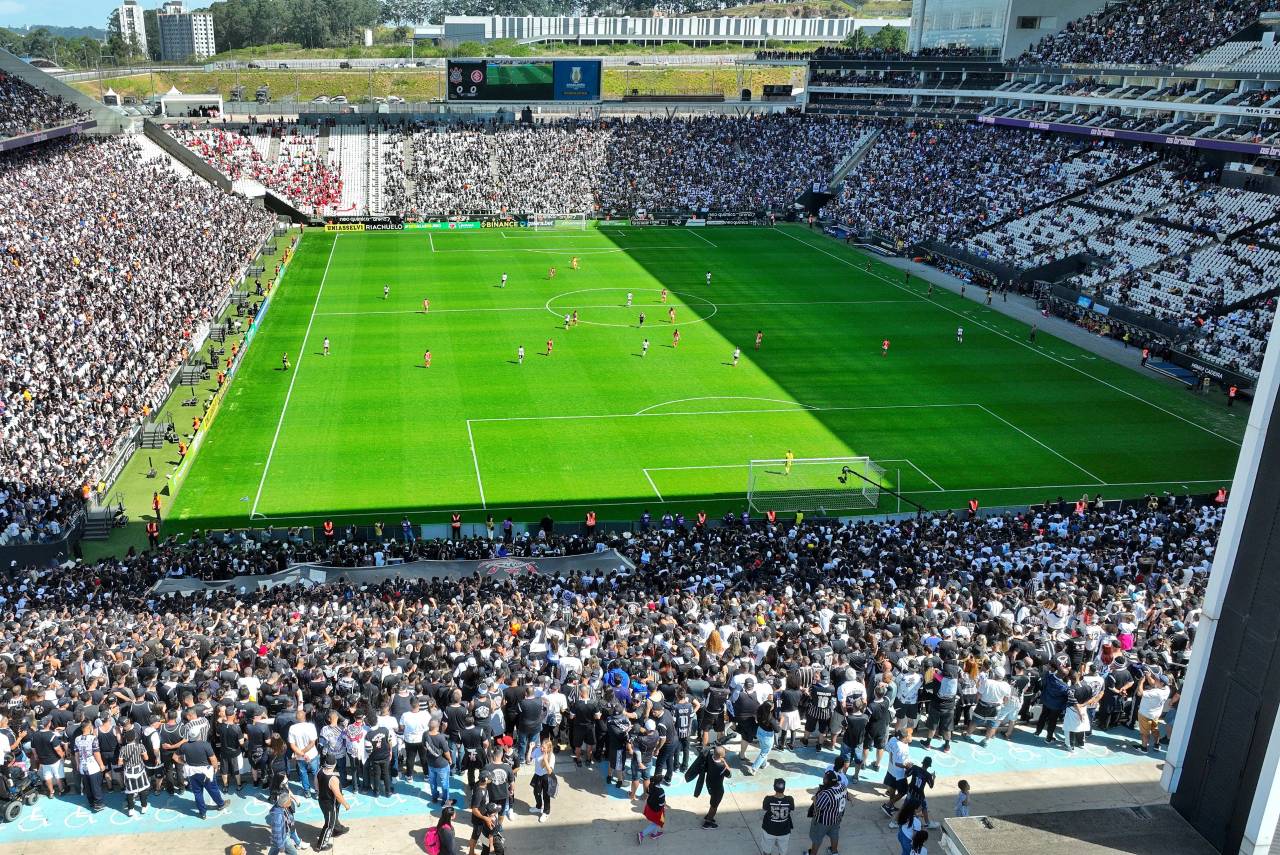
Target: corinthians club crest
{"points": [[575, 74], [510, 566]]}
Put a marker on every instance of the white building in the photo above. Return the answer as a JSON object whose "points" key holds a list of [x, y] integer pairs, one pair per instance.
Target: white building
{"points": [[745, 31], [133, 26], [185, 34]]}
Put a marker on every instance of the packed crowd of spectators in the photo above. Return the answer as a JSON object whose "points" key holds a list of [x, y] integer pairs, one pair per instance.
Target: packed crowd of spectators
{"points": [[1076, 614], [297, 172], [953, 179], [110, 264], [25, 108], [1146, 32], [618, 166], [1238, 339], [495, 169]]}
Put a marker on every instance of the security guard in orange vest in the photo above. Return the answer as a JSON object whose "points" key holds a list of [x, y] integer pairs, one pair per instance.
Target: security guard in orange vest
{"points": [[773, 517], [973, 508], [591, 523], [155, 505], [182, 451], [1232, 391], [153, 534], [1146, 355], [329, 531], [455, 526], [702, 519], [1081, 504], [1220, 498]]}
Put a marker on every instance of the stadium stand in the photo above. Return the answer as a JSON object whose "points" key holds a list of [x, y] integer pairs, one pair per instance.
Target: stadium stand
{"points": [[298, 172], [82, 218], [1146, 32], [1070, 594], [964, 177], [24, 108]]}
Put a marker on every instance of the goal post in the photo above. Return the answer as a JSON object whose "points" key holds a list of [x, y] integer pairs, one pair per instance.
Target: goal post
{"points": [[818, 484], [549, 222]]}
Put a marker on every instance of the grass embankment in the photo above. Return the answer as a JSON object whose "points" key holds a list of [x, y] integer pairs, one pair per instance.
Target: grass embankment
{"points": [[427, 84]]}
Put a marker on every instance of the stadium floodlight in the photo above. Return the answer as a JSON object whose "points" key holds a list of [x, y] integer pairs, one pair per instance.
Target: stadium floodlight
{"points": [[819, 484], [549, 222]]}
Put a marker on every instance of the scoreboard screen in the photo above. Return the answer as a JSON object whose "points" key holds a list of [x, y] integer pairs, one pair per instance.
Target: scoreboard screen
{"points": [[523, 80]]}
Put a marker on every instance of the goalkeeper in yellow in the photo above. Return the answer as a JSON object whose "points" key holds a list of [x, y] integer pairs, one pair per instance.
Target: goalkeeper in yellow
{"points": [[790, 458]]}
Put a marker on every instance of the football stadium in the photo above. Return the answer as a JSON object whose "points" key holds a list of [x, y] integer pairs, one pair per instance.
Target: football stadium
{"points": [[629, 449]]}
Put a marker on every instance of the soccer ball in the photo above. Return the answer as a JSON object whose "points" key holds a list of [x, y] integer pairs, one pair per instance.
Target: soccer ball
{"points": [[237, 849]]}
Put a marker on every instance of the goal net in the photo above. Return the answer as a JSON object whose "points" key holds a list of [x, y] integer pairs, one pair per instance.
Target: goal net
{"points": [[819, 484], [548, 222]]}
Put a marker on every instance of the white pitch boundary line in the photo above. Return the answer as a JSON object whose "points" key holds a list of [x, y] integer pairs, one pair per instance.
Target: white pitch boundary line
{"points": [[1016, 341], [1049, 448], [966, 490], [724, 398], [653, 485], [294, 379], [476, 460], [431, 240]]}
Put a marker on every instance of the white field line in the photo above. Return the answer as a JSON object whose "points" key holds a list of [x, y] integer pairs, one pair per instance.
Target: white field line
{"points": [[926, 475], [725, 398], [1020, 343], [746, 465], [651, 484], [965, 491], [1049, 448], [294, 379], [694, 232], [432, 241], [798, 408], [637, 304], [476, 461]]}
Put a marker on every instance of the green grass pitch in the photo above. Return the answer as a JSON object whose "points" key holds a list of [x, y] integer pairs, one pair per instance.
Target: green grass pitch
{"points": [[368, 432]]}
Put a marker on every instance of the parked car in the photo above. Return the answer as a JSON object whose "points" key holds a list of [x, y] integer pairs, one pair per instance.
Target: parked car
{"points": [[344, 64], [320, 99], [339, 99], [633, 62], [283, 65], [394, 99], [254, 65]]}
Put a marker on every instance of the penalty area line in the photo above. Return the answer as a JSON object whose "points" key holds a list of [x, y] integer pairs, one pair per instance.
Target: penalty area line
{"points": [[476, 462], [653, 485]]}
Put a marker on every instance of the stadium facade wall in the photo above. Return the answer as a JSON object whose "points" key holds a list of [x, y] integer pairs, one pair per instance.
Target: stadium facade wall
{"points": [[538, 28], [1137, 136], [1223, 765]]}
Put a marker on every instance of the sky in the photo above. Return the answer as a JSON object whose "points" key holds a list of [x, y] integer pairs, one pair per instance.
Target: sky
{"points": [[60, 13]]}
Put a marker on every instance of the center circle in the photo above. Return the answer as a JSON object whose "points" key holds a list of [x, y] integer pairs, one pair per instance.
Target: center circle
{"points": [[685, 296]]}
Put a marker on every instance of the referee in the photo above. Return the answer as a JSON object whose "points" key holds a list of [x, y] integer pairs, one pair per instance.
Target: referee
{"points": [[828, 810]]}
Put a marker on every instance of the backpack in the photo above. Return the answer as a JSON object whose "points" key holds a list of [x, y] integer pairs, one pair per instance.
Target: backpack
{"points": [[431, 841]]}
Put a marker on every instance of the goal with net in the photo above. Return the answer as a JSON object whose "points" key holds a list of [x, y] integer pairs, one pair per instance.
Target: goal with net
{"points": [[547, 222], [819, 484]]}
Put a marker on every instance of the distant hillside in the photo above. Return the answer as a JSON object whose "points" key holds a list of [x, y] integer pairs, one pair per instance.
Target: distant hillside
{"points": [[816, 9], [65, 32]]}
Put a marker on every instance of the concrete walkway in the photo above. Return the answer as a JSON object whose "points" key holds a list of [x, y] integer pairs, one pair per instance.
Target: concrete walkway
{"points": [[590, 817]]}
